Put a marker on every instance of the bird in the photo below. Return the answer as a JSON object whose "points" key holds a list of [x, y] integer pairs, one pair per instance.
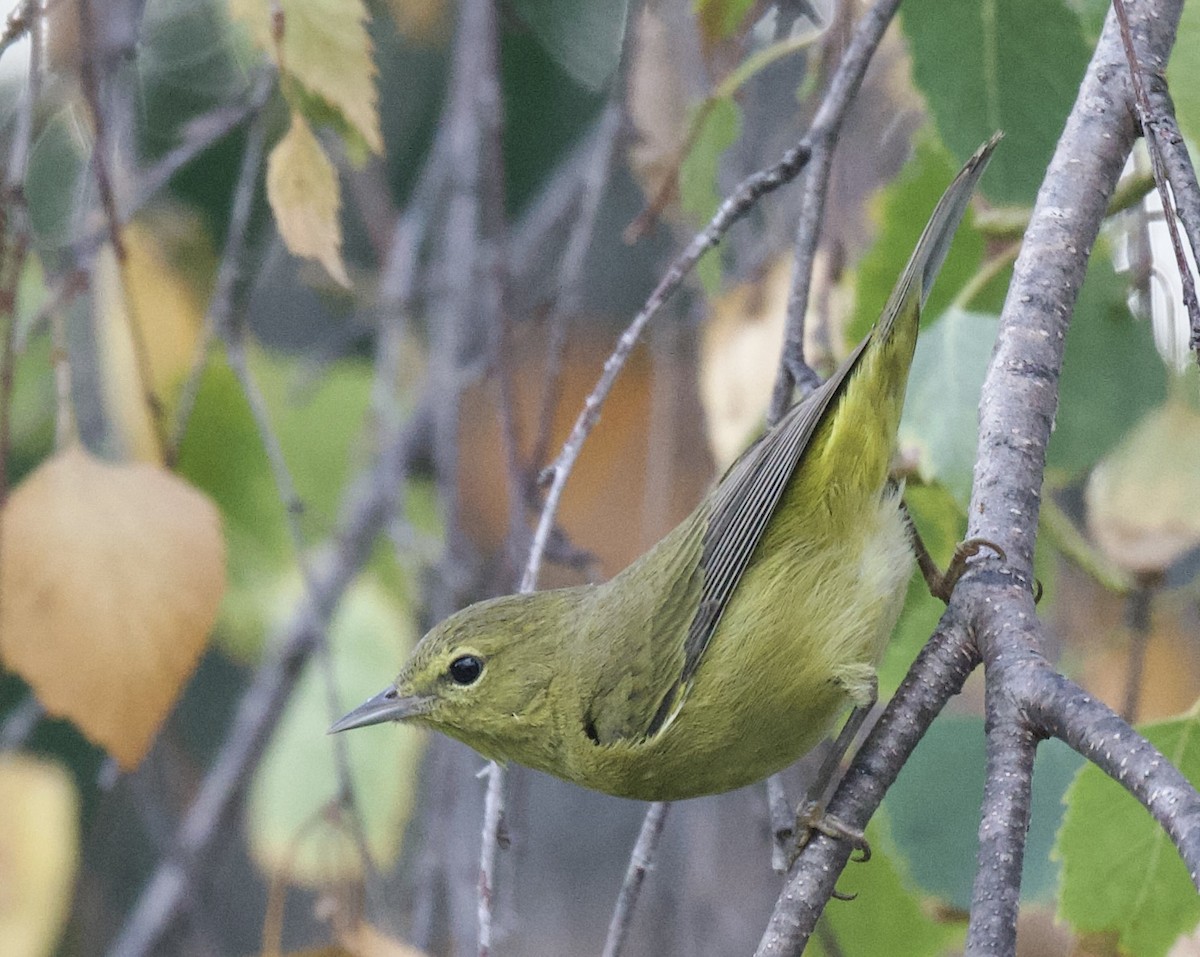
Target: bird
{"points": [[729, 649]]}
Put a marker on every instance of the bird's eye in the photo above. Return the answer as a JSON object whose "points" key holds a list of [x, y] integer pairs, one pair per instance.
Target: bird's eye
{"points": [[465, 669]]}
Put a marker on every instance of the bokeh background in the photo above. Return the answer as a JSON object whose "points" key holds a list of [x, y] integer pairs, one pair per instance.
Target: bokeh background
{"points": [[267, 262]]}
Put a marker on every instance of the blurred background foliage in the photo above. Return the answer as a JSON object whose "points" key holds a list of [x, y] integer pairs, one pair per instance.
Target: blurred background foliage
{"points": [[357, 96]]}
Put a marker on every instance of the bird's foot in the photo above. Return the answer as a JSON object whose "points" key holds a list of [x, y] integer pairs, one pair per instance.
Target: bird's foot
{"points": [[941, 585], [812, 819]]}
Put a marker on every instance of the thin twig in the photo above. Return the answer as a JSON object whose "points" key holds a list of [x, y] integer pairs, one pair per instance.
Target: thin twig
{"points": [[481, 39], [218, 316], [591, 187], [493, 822], [1004, 811], [1138, 619], [93, 93], [369, 502], [822, 139], [90, 83], [592, 178], [15, 233], [640, 862], [1161, 133], [1062, 709], [18, 24], [735, 206]]}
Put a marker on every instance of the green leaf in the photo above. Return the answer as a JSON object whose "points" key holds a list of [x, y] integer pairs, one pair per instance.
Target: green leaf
{"points": [[941, 410], [903, 208], [1091, 15], [886, 916], [1111, 375], [934, 808], [719, 19], [583, 37], [1183, 72], [1120, 872], [318, 423], [985, 66], [55, 168], [293, 832], [719, 125]]}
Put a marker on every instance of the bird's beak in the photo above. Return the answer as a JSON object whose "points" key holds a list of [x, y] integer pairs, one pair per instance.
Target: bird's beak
{"points": [[385, 706]]}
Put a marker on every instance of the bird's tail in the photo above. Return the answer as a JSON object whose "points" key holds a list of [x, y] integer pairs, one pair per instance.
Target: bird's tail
{"points": [[912, 288], [856, 443]]}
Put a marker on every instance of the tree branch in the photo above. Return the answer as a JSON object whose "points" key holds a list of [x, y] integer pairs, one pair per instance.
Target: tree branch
{"points": [[1162, 134], [1017, 411], [935, 677]]}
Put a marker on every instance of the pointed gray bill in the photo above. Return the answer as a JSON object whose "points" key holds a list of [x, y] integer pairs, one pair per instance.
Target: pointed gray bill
{"points": [[385, 706]]}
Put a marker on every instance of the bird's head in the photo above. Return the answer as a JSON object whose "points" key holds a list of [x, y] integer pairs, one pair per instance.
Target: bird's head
{"points": [[483, 675]]}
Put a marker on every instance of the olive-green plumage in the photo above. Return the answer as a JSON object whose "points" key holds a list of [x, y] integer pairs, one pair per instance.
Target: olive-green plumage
{"points": [[727, 650]]}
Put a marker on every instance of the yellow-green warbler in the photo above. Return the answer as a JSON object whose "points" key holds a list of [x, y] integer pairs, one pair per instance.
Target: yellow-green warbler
{"points": [[727, 650]]}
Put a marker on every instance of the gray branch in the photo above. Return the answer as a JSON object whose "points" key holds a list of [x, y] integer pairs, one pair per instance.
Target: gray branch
{"points": [[993, 605]]}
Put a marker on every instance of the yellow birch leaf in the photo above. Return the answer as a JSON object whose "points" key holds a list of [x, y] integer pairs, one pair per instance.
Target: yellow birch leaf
{"points": [[326, 48], [1143, 497], [738, 357], [302, 187], [658, 107], [423, 21], [39, 852], [169, 313], [367, 941], [110, 581]]}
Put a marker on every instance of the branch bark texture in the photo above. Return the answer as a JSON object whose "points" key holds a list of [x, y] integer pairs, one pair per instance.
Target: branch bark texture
{"points": [[992, 617]]}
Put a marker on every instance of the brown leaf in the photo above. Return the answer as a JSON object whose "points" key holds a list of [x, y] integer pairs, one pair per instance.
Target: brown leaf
{"points": [[110, 579], [659, 109], [148, 290]]}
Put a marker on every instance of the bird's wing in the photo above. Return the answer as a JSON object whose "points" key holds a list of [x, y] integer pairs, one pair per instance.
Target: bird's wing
{"points": [[749, 493], [742, 505]]}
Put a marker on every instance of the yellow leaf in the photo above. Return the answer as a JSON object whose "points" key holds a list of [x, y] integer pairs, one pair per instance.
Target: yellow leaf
{"points": [[422, 21], [367, 941], [169, 313], [1144, 497], [302, 187], [658, 107], [326, 48], [39, 848], [738, 358], [110, 580]]}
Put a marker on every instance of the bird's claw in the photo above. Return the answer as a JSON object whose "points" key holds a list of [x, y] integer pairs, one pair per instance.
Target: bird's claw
{"points": [[811, 819], [941, 584]]}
